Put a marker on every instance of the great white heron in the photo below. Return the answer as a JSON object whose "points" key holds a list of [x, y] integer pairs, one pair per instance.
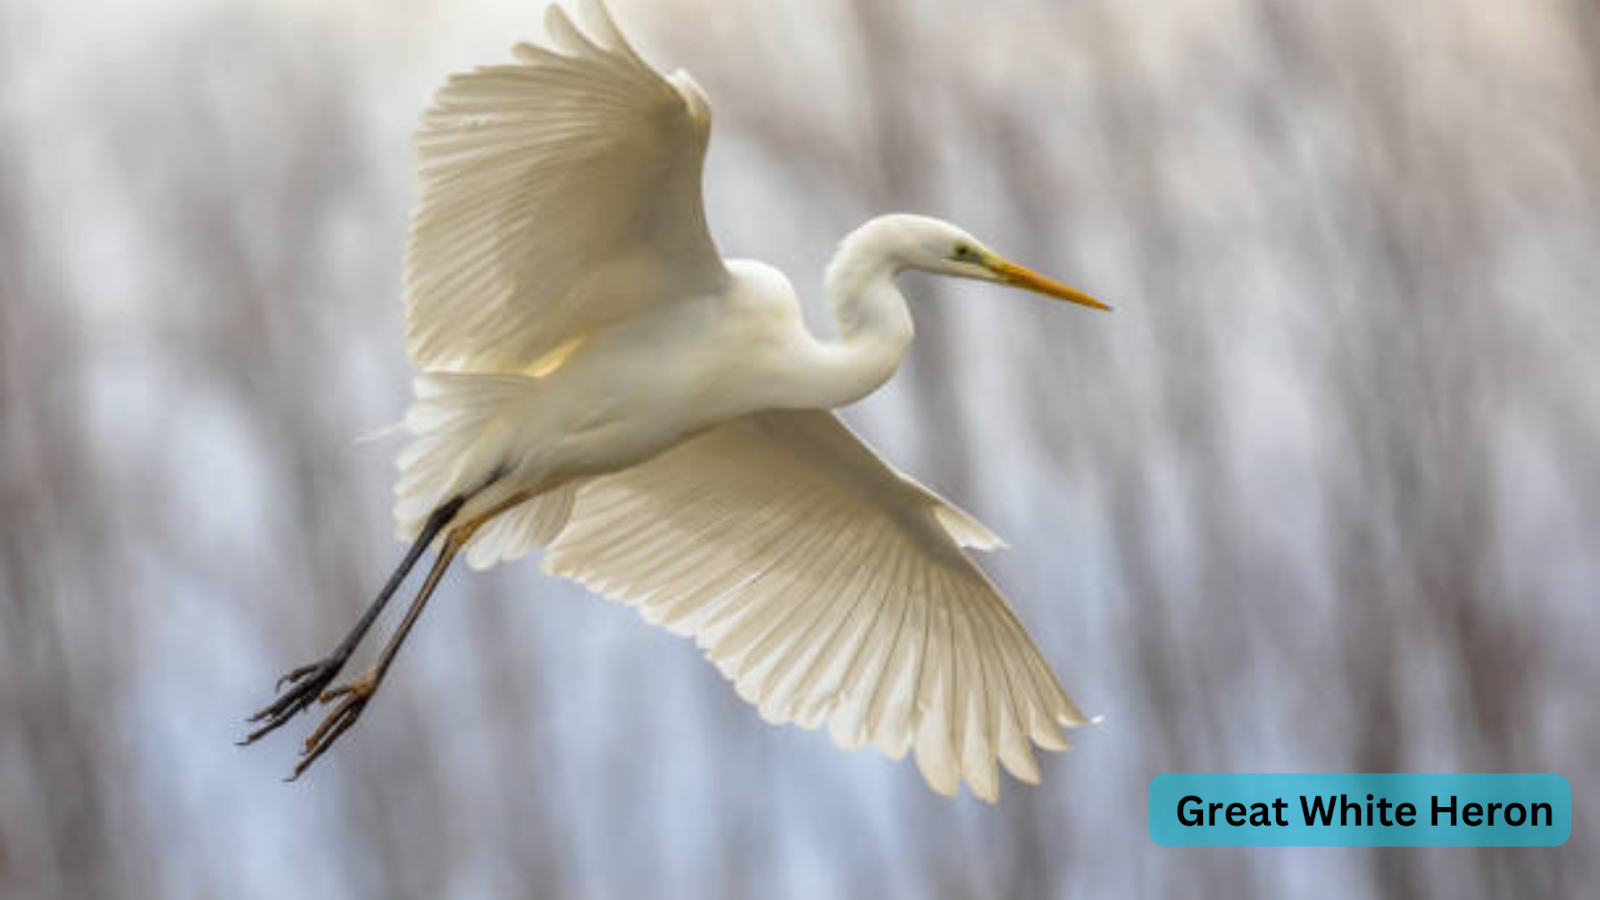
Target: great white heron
{"points": [[598, 381]]}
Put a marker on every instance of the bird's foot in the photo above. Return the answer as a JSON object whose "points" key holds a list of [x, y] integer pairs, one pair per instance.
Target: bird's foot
{"points": [[356, 693], [306, 684]]}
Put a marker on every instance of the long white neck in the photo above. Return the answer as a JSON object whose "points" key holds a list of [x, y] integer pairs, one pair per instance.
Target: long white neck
{"points": [[875, 328]]}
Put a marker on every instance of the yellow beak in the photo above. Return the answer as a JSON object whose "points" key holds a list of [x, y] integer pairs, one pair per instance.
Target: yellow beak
{"points": [[1027, 279]]}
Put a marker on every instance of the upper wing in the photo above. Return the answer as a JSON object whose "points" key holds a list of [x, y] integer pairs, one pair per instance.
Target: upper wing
{"points": [[828, 587], [558, 195]]}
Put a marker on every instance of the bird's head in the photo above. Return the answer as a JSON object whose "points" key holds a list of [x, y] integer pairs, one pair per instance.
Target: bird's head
{"points": [[936, 246]]}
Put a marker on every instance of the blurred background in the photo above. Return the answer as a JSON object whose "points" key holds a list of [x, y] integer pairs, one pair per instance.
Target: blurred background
{"points": [[1323, 494]]}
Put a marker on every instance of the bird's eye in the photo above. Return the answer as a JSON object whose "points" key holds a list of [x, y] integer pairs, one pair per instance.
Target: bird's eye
{"points": [[964, 252]]}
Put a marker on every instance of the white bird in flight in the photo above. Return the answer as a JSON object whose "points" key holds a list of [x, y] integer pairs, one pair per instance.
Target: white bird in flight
{"points": [[598, 381]]}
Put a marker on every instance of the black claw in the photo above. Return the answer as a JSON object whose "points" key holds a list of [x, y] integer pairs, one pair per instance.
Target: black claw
{"points": [[294, 675], [307, 683]]}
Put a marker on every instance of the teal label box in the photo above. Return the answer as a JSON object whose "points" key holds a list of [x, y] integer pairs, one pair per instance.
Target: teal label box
{"points": [[1360, 810]]}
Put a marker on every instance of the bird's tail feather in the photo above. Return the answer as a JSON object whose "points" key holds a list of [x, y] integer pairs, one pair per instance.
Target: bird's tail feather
{"points": [[464, 429], [533, 523]]}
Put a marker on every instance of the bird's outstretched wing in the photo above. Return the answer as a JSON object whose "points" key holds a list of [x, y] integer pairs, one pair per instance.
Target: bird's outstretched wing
{"points": [[829, 588], [558, 195]]}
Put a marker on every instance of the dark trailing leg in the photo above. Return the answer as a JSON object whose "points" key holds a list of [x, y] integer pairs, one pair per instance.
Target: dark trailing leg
{"points": [[308, 682], [357, 692]]}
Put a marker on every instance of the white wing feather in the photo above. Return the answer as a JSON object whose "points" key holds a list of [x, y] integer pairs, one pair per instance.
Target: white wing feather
{"points": [[829, 588], [558, 195]]}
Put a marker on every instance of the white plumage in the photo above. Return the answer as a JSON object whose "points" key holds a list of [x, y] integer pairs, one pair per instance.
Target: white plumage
{"points": [[598, 381], [829, 588], [549, 190]]}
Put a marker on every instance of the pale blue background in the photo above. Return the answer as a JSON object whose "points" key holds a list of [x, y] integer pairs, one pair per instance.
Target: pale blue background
{"points": [[1321, 495]]}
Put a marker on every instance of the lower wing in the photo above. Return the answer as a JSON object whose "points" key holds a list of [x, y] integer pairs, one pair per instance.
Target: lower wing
{"points": [[829, 588]]}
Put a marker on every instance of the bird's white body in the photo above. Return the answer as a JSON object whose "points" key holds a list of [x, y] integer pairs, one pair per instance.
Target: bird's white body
{"points": [[597, 381], [632, 389]]}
